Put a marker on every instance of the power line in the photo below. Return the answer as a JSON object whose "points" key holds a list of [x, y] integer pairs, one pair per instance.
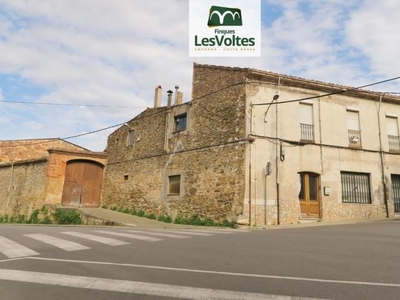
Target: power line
{"points": [[91, 132], [332, 93], [66, 138], [71, 104], [202, 96]]}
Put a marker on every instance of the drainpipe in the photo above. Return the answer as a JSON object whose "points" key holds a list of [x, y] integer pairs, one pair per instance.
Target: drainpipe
{"points": [[382, 158], [9, 188], [250, 185], [250, 140], [267, 172], [278, 221]]}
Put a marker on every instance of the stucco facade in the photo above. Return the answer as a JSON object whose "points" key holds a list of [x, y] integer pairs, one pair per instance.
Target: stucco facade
{"points": [[326, 148], [343, 155]]}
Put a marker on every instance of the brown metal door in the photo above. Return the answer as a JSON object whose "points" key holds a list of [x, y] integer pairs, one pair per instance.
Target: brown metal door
{"points": [[82, 185], [309, 195]]}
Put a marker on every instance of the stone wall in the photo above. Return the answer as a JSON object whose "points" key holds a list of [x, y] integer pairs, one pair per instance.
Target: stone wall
{"points": [[341, 211], [22, 187], [212, 183], [29, 184], [209, 155]]}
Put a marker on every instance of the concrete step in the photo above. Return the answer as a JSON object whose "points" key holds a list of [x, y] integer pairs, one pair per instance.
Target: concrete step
{"points": [[309, 220]]}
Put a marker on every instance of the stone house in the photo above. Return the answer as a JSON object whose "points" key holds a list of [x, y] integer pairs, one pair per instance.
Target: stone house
{"points": [[48, 171], [259, 147]]}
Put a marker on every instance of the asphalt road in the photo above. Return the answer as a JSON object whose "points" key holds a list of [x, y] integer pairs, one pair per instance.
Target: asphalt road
{"points": [[357, 261]]}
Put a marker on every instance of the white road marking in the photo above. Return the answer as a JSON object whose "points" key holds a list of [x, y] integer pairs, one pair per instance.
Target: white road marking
{"points": [[59, 243], [211, 231], [161, 234], [134, 287], [12, 249], [186, 232], [96, 238], [220, 272], [132, 236]]}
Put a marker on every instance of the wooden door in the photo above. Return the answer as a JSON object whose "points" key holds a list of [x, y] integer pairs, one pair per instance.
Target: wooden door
{"points": [[82, 185], [309, 195]]}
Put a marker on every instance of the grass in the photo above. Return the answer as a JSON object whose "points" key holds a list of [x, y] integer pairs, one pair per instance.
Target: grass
{"points": [[44, 216], [195, 220]]}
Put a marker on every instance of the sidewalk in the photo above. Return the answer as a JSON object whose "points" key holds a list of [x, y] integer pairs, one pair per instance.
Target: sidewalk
{"points": [[130, 220]]}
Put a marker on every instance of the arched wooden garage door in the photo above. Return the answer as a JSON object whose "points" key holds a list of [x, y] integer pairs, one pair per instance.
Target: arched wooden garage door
{"points": [[82, 185]]}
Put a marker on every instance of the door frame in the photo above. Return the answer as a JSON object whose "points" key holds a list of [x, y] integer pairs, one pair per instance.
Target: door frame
{"points": [[309, 208]]}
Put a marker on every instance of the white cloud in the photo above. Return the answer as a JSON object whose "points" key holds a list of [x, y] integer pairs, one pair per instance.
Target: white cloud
{"points": [[374, 30], [115, 53]]}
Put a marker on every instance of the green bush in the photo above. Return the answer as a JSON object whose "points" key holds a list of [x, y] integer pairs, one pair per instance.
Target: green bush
{"points": [[67, 216], [21, 219], [227, 223], [141, 213], [46, 220], [165, 219], [151, 216], [34, 219]]}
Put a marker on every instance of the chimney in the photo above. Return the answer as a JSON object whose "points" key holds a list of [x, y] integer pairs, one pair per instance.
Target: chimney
{"points": [[157, 96], [169, 92], [178, 96]]}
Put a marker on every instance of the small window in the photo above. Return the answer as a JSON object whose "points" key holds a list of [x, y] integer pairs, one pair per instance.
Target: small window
{"points": [[130, 137], [180, 122], [174, 184], [393, 134], [355, 188], [126, 177], [306, 122], [353, 129]]}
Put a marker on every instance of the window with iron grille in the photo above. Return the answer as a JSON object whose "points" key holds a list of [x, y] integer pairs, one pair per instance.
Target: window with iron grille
{"points": [[174, 184], [355, 188], [353, 129], [396, 192], [306, 122], [393, 134], [130, 137], [180, 122]]}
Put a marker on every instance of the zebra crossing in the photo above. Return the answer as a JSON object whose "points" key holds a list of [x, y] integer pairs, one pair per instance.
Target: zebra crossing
{"points": [[11, 249]]}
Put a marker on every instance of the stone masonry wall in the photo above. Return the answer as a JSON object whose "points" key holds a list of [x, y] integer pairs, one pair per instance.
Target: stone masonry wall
{"points": [[212, 184], [209, 156], [28, 185]]}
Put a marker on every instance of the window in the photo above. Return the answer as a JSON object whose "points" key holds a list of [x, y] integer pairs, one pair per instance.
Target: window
{"points": [[306, 122], [174, 184], [393, 134], [355, 188], [353, 128], [396, 192], [180, 122], [130, 137]]}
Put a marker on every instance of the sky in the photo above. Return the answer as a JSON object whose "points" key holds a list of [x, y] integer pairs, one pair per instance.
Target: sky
{"points": [[95, 64]]}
